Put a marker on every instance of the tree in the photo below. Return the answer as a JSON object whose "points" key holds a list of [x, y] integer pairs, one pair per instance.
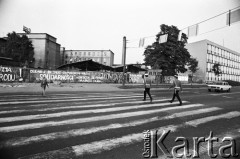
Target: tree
{"points": [[171, 57], [216, 69], [19, 48], [192, 66]]}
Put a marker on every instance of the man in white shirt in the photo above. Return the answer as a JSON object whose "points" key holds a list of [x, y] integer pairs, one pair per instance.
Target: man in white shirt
{"points": [[177, 86], [147, 84]]}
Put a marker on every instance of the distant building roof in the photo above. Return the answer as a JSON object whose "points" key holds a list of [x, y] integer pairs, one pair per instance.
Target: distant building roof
{"points": [[88, 65], [134, 68]]}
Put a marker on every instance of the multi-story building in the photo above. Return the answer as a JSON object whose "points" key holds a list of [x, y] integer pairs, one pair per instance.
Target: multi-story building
{"points": [[46, 50], [209, 53], [105, 57]]}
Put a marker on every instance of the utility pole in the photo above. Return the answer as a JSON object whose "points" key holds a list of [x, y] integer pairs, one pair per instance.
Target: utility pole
{"points": [[124, 59]]}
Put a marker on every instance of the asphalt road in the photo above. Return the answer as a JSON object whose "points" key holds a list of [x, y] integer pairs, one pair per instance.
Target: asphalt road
{"points": [[110, 125]]}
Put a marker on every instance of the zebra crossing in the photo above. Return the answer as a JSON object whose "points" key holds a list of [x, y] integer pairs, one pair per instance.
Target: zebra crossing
{"points": [[77, 123]]}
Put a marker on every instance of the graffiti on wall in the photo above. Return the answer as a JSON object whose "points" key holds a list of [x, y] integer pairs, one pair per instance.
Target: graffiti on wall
{"points": [[73, 76], [9, 74]]}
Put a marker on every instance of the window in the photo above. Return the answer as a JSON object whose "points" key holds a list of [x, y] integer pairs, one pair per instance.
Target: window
{"points": [[208, 67], [213, 49], [209, 48], [225, 54], [210, 58], [216, 50], [221, 60], [89, 53]]}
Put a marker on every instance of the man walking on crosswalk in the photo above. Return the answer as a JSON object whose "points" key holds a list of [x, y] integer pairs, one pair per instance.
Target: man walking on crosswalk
{"points": [[44, 83], [177, 86], [147, 84]]}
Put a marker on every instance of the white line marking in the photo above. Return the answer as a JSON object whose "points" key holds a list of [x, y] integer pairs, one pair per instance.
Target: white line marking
{"points": [[53, 98], [227, 97], [79, 132], [109, 144], [69, 113], [58, 105], [229, 115], [78, 106], [91, 119], [219, 94], [52, 101]]}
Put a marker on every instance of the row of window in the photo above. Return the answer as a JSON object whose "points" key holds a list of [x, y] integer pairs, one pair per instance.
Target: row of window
{"points": [[211, 77], [224, 69], [222, 61], [101, 53], [84, 59], [222, 53]]}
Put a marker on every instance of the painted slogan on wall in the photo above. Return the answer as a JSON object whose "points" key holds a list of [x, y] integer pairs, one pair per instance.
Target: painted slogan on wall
{"points": [[71, 76], [9, 74], [13, 74]]}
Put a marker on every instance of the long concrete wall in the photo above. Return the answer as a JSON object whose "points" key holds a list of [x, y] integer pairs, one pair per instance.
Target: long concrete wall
{"points": [[14, 74]]}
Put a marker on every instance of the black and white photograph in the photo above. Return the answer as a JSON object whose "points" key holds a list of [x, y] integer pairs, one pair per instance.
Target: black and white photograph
{"points": [[119, 79]]}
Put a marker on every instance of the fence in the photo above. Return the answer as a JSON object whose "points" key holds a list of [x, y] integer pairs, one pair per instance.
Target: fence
{"points": [[14, 74]]}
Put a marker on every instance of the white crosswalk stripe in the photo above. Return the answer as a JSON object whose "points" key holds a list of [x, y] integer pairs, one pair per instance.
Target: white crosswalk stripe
{"points": [[67, 113]]}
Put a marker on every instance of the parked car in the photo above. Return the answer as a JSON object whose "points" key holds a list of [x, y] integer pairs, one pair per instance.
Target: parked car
{"points": [[219, 86]]}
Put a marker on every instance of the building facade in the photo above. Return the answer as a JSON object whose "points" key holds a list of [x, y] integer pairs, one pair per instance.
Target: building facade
{"points": [[46, 50], [209, 53], [105, 57]]}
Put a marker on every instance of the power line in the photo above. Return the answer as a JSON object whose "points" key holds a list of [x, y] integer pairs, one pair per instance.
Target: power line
{"points": [[211, 18], [134, 40]]}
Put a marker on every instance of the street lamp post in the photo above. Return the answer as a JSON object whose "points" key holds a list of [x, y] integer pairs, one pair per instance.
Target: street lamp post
{"points": [[124, 59]]}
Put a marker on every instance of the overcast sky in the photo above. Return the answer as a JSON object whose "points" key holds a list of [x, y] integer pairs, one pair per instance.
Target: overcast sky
{"points": [[101, 24]]}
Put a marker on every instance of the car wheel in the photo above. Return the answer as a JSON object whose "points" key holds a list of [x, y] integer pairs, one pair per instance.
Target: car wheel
{"points": [[229, 90], [221, 90], [209, 90]]}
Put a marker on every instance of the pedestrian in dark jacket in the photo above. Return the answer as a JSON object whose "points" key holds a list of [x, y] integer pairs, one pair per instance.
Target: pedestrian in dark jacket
{"points": [[44, 83], [177, 87], [147, 85]]}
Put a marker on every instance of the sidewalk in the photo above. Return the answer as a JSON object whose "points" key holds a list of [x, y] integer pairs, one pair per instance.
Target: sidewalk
{"points": [[35, 87], [91, 87]]}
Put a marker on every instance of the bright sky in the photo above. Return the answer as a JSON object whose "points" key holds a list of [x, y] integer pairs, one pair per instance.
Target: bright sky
{"points": [[101, 24]]}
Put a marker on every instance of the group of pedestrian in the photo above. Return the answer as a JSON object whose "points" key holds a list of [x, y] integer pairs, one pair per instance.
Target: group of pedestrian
{"points": [[176, 85]]}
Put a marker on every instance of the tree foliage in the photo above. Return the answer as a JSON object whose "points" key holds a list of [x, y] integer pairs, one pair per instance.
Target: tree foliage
{"points": [[216, 69], [193, 65], [19, 48], [172, 56]]}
